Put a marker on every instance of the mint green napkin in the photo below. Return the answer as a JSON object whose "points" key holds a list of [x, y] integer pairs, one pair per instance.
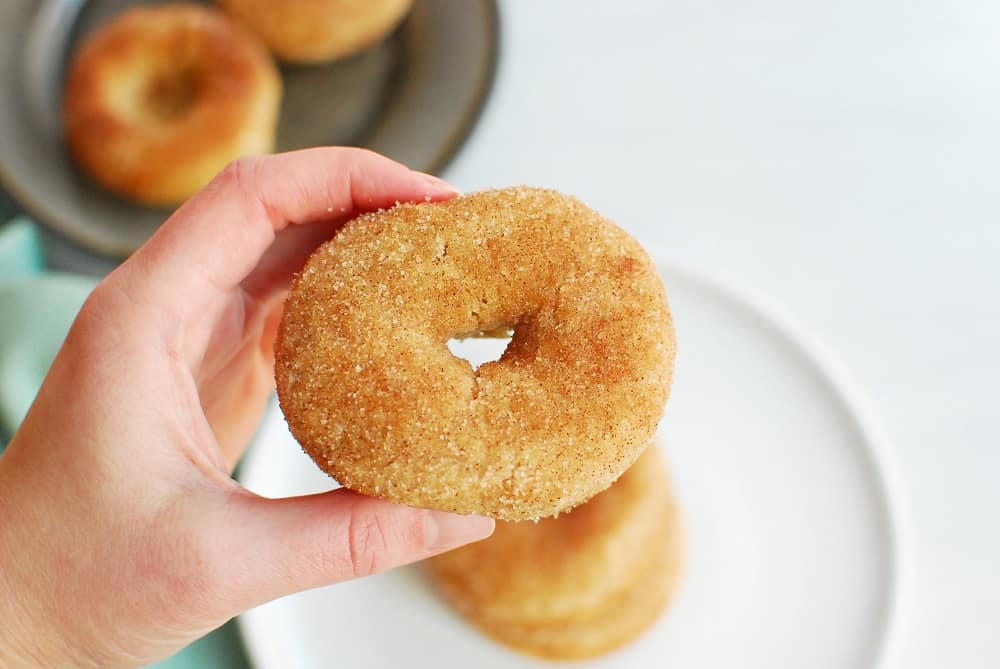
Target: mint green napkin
{"points": [[31, 324], [37, 311], [222, 649], [20, 250]]}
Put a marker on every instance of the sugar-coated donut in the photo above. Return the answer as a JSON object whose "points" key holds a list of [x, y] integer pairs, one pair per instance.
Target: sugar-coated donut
{"points": [[372, 393], [161, 98], [315, 31], [578, 585]]}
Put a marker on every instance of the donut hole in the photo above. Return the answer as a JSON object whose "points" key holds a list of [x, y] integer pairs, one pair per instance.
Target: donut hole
{"points": [[170, 93], [480, 349]]}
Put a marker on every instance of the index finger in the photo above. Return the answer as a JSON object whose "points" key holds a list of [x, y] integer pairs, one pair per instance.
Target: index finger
{"points": [[215, 240]]}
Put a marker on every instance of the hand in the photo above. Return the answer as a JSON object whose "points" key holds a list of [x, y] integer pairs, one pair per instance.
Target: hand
{"points": [[122, 535]]}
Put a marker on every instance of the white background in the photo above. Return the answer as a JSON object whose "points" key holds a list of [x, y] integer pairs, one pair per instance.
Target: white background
{"points": [[843, 157]]}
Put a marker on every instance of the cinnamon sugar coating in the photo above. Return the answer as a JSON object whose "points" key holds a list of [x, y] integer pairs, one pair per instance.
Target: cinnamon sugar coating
{"points": [[372, 393]]}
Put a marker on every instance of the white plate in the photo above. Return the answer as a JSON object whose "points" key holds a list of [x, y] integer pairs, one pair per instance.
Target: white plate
{"points": [[794, 556]]}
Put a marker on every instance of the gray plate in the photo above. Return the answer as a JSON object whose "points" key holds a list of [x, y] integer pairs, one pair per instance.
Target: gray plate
{"points": [[413, 97]]}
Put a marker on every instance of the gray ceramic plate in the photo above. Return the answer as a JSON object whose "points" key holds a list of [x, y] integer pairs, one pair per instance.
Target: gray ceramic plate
{"points": [[414, 98]]}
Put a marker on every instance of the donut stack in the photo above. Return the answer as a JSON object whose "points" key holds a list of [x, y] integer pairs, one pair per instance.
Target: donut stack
{"points": [[372, 393], [579, 585]]}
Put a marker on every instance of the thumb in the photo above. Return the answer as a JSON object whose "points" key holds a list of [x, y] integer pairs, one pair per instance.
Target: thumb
{"points": [[298, 543]]}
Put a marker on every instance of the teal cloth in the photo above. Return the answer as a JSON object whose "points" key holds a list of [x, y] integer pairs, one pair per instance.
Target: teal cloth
{"points": [[222, 649], [20, 252], [36, 310]]}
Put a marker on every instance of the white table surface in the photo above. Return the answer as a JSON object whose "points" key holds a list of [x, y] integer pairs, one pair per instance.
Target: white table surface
{"points": [[843, 157]]}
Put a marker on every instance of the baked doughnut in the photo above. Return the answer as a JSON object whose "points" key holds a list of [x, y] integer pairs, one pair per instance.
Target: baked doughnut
{"points": [[161, 98], [578, 585], [372, 393], [315, 31]]}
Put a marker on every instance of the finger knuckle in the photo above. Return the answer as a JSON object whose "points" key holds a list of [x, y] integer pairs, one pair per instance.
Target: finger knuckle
{"points": [[239, 172], [367, 544]]}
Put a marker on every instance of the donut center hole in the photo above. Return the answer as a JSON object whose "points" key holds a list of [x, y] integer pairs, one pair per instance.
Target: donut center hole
{"points": [[480, 349], [171, 92]]}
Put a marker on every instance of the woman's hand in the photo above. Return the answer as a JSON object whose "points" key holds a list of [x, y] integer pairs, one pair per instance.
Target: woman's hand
{"points": [[122, 535]]}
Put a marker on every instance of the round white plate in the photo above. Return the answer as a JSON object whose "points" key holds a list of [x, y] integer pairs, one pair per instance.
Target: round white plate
{"points": [[794, 556]]}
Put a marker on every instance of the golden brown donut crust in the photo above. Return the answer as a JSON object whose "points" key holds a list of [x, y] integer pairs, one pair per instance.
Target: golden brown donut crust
{"points": [[371, 391], [162, 97], [578, 585], [315, 31]]}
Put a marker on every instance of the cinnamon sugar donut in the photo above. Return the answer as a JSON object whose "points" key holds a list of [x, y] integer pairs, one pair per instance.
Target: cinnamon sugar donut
{"points": [[372, 393], [161, 98], [315, 31], [578, 585]]}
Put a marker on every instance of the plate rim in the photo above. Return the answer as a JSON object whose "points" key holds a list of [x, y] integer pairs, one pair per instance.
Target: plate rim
{"points": [[878, 449], [25, 200], [877, 446]]}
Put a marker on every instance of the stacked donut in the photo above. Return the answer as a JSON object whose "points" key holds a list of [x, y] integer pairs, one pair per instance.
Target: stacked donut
{"points": [[578, 585], [161, 98], [375, 397]]}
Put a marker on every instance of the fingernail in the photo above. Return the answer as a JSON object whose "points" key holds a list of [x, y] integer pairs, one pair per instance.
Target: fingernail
{"points": [[436, 185], [445, 531]]}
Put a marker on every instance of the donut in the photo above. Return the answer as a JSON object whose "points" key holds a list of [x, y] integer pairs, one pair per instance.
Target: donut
{"points": [[372, 393], [578, 585], [316, 31], [161, 98]]}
